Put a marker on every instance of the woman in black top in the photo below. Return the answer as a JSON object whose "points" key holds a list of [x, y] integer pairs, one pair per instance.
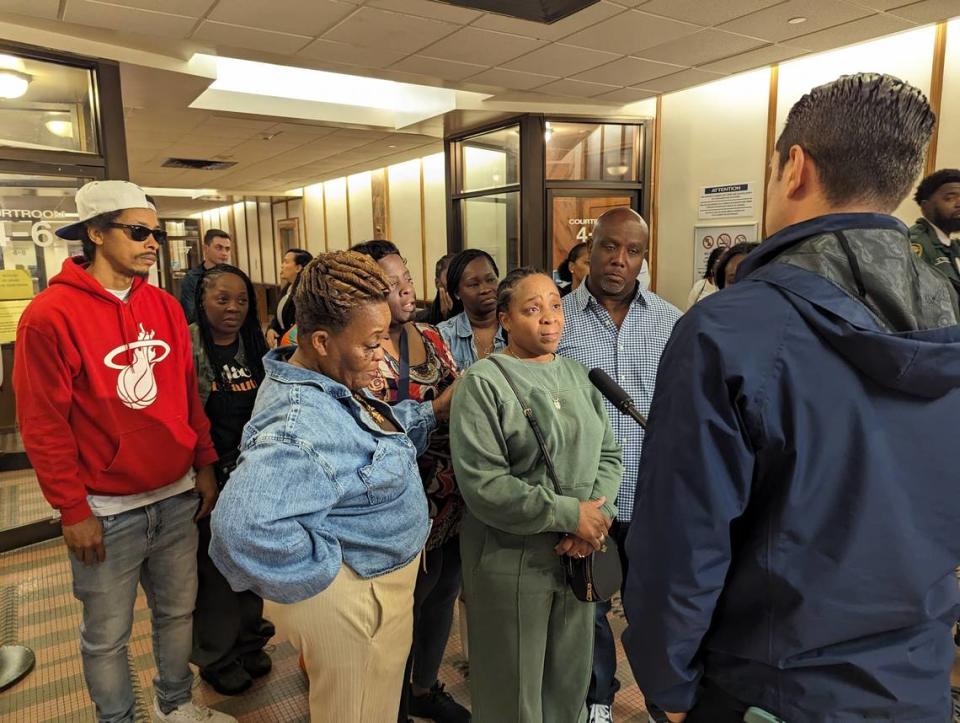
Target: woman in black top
{"points": [[290, 267], [229, 631], [575, 268]]}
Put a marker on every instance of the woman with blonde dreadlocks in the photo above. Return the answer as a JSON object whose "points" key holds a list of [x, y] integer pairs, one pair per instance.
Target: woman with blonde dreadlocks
{"points": [[325, 514]]}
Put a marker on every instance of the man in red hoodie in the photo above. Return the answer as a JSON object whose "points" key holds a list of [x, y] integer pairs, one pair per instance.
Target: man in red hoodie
{"points": [[112, 422]]}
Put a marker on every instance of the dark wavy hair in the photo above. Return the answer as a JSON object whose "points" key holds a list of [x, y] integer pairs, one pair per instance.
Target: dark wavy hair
{"points": [[376, 249], [712, 262], [433, 314], [254, 345], [740, 249], [563, 270], [867, 134], [301, 257]]}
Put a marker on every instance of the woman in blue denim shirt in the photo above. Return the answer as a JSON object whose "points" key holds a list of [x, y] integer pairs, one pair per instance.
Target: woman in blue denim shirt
{"points": [[325, 515], [473, 332]]}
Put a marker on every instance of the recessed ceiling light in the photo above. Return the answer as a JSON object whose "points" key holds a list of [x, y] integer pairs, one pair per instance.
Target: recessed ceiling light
{"points": [[797, 20], [391, 146]]}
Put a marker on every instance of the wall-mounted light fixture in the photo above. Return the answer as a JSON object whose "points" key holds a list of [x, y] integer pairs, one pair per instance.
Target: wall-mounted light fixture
{"points": [[61, 128], [13, 80]]}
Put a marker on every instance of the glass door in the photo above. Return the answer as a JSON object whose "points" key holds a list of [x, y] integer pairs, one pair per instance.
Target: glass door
{"points": [[573, 213], [32, 207]]}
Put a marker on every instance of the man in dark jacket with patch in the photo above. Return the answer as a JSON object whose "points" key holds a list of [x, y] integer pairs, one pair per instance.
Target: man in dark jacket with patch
{"points": [[938, 196], [795, 531]]}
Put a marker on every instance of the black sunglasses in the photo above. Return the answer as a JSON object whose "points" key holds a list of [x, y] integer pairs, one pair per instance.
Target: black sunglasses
{"points": [[141, 233]]}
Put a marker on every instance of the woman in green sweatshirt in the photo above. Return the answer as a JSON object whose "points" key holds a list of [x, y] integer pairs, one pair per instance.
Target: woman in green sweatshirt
{"points": [[530, 639]]}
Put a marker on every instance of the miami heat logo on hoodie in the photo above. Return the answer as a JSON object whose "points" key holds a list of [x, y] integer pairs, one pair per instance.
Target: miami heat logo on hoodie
{"points": [[136, 384]]}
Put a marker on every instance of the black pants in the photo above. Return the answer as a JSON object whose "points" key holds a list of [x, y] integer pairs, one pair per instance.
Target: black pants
{"points": [[433, 601], [226, 624], [713, 706], [716, 706], [603, 681]]}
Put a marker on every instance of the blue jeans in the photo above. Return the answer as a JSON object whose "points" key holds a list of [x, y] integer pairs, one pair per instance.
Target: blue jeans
{"points": [[157, 547]]}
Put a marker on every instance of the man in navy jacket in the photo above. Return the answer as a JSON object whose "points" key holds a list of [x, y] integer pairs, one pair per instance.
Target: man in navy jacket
{"points": [[796, 527]]}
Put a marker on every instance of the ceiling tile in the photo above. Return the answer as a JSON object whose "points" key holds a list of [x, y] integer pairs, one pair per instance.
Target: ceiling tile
{"points": [[771, 24], [705, 13], [484, 47], [555, 31], [36, 8], [190, 8], [754, 59], [288, 16], [849, 33], [372, 28], [512, 79], [224, 35], [437, 68], [115, 17], [575, 88], [428, 9], [678, 81], [929, 11], [559, 59], [625, 95], [702, 47], [322, 49], [881, 4], [627, 71], [630, 33]]}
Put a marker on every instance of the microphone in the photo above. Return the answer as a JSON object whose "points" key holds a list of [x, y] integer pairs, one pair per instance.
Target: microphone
{"points": [[615, 394]]}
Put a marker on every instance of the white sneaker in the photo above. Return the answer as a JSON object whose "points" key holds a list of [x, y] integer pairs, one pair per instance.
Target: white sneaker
{"points": [[190, 713], [600, 714]]}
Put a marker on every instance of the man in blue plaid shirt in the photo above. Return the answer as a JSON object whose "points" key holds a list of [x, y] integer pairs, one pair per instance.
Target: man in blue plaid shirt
{"points": [[613, 324]]}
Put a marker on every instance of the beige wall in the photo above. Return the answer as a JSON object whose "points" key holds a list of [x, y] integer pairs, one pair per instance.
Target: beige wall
{"points": [[710, 136], [339, 213], [360, 208], [948, 143], [338, 224], [405, 213], [717, 133]]}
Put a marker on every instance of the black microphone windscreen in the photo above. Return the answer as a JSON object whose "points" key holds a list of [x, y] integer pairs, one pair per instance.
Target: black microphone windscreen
{"points": [[613, 392]]}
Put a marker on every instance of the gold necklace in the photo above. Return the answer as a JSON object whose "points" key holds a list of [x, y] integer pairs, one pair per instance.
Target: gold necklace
{"points": [[371, 410], [556, 397]]}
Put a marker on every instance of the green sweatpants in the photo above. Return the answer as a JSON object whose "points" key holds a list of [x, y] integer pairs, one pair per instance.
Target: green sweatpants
{"points": [[530, 639]]}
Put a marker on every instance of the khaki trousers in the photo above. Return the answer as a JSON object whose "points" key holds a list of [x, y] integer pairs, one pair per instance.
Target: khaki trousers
{"points": [[355, 637]]}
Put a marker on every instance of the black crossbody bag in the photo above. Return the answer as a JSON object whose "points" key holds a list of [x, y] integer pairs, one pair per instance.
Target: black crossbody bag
{"points": [[598, 576]]}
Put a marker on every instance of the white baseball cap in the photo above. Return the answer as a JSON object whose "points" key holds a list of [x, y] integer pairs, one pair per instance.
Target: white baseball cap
{"points": [[99, 197]]}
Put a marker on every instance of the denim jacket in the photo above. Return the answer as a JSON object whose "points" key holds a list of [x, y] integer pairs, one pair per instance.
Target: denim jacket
{"points": [[319, 482], [458, 334]]}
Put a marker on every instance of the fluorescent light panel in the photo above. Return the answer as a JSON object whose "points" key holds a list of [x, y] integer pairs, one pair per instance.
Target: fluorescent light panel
{"points": [[246, 86]]}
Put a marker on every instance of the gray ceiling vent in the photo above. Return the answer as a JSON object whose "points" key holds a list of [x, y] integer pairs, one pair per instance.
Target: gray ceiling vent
{"points": [[539, 11], [198, 164]]}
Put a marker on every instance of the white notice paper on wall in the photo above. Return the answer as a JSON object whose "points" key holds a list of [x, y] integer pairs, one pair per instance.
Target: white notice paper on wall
{"points": [[708, 238], [731, 201]]}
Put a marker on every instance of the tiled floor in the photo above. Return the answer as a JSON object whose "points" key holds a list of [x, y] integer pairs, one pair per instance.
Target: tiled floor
{"points": [[37, 609], [21, 500]]}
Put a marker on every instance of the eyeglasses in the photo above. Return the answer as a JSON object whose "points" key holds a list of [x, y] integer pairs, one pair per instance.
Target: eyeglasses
{"points": [[141, 233]]}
